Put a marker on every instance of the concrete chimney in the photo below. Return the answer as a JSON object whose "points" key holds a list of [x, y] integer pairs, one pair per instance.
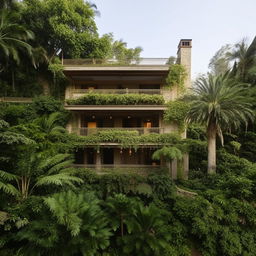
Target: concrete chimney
{"points": [[184, 58]]}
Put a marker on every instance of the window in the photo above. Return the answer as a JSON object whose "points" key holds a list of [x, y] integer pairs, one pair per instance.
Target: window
{"points": [[185, 43]]}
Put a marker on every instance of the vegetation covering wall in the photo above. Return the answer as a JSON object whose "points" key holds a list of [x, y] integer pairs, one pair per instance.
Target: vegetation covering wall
{"points": [[115, 99]]}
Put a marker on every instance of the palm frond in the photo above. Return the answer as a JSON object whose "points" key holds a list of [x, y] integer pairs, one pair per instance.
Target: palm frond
{"points": [[60, 179]]}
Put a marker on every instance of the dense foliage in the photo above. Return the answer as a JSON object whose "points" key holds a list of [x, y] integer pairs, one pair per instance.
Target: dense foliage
{"points": [[115, 99], [47, 207]]}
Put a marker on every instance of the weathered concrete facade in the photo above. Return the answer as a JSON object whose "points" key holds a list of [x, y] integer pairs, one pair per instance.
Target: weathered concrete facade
{"points": [[145, 119]]}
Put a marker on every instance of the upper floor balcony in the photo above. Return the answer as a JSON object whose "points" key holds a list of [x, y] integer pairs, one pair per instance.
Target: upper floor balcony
{"points": [[85, 131], [153, 62]]}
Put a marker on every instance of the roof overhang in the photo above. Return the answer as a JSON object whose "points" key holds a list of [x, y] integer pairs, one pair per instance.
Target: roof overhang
{"points": [[117, 107]]}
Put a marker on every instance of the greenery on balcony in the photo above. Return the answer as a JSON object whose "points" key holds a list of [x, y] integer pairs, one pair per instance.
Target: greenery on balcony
{"points": [[130, 139], [115, 99]]}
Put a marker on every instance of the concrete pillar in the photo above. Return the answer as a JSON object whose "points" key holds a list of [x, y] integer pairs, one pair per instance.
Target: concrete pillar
{"points": [[98, 159], [185, 166], [174, 168], [85, 156], [117, 156]]}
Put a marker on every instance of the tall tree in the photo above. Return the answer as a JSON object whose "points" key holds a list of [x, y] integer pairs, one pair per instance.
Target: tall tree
{"points": [[244, 56], [219, 63], [13, 38], [220, 104]]}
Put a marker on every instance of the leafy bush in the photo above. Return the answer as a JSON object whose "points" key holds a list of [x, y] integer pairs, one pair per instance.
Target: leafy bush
{"points": [[17, 113], [115, 99], [44, 105], [227, 162], [248, 146]]}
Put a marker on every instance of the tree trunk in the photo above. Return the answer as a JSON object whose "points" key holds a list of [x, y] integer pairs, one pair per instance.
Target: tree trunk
{"points": [[211, 139]]}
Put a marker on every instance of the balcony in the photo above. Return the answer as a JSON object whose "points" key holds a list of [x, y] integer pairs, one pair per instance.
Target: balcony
{"points": [[115, 62], [84, 131], [76, 93]]}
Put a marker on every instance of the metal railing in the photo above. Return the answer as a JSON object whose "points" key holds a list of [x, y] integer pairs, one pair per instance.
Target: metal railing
{"points": [[124, 62], [84, 131]]}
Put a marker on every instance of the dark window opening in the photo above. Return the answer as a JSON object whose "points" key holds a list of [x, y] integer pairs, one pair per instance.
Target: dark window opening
{"points": [[79, 157], [90, 156], [108, 155]]}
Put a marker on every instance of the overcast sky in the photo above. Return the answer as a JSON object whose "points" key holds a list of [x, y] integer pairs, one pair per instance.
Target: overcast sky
{"points": [[158, 25]]}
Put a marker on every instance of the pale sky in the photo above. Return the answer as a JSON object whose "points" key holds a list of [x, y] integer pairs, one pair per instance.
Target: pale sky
{"points": [[158, 25]]}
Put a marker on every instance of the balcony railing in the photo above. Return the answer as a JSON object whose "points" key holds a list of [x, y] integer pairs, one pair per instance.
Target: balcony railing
{"points": [[109, 62], [79, 92], [84, 131]]}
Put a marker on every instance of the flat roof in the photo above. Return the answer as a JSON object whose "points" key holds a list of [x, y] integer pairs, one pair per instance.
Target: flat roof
{"points": [[117, 107], [115, 68]]}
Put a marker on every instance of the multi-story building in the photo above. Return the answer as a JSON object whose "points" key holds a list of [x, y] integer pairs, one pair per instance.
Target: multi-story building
{"points": [[111, 80]]}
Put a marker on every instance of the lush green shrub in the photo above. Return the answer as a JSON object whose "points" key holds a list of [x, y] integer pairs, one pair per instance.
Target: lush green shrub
{"points": [[227, 162], [248, 146], [17, 113], [115, 99], [44, 105]]}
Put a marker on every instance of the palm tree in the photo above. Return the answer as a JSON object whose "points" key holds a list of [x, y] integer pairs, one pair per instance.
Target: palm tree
{"points": [[119, 207], [37, 171], [13, 37], [219, 103], [148, 232], [50, 124], [245, 58]]}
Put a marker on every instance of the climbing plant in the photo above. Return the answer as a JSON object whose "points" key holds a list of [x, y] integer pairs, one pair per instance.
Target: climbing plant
{"points": [[176, 112], [176, 77]]}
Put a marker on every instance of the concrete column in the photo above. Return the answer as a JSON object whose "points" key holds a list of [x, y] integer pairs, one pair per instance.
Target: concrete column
{"points": [[85, 156], [174, 167], [185, 166], [117, 156], [98, 160]]}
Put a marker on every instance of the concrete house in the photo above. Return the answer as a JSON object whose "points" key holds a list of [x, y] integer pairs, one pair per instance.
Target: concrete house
{"points": [[145, 76]]}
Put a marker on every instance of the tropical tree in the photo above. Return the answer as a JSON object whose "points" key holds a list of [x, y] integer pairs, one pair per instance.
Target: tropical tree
{"points": [[244, 56], [169, 154], [50, 124], [220, 104], [35, 170], [219, 63], [119, 206], [148, 232], [73, 224], [13, 38]]}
